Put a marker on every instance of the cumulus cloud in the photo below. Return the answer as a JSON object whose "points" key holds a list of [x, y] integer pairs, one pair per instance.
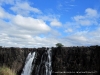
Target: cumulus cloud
{"points": [[24, 8], [4, 14], [1, 13], [21, 31], [52, 19], [69, 30], [81, 26], [26, 41], [31, 23], [91, 12], [26, 31], [84, 38], [55, 23], [6, 2], [77, 38], [90, 18]]}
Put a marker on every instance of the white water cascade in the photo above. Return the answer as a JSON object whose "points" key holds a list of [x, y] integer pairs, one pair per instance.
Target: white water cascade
{"points": [[45, 64], [48, 63], [28, 64]]}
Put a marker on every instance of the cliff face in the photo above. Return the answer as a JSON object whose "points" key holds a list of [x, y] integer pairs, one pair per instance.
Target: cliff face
{"points": [[15, 58], [76, 59], [68, 59]]}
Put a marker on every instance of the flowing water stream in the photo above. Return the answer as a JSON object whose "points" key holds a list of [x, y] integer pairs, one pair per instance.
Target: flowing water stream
{"points": [[45, 64], [48, 63], [28, 64], [44, 68]]}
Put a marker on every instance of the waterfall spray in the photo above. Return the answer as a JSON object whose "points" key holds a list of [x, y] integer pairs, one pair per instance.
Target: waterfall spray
{"points": [[45, 64], [28, 64], [48, 63]]}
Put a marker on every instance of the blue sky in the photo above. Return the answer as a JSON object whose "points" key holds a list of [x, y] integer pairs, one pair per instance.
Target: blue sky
{"points": [[43, 23]]}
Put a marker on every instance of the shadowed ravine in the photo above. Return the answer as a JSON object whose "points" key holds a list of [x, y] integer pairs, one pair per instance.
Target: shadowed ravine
{"points": [[54, 61]]}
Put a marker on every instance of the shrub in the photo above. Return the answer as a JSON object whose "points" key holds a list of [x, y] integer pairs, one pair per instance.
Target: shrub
{"points": [[6, 71]]}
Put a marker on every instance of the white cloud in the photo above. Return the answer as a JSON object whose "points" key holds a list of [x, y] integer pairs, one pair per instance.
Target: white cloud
{"points": [[90, 18], [91, 12], [52, 19], [24, 8], [31, 23], [22, 31], [6, 2], [84, 38], [4, 14], [47, 17], [78, 38], [24, 36], [96, 33], [1, 13], [69, 30], [26, 41], [55, 23], [85, 22]]}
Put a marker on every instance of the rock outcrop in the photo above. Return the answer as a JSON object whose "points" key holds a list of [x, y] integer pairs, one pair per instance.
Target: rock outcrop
{"points": [[75, 60], [66, 59], [14, 58]]}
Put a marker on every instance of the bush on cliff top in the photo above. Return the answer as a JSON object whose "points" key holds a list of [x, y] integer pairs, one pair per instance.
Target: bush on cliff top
{"points": [[59, 45], [6, 71]]}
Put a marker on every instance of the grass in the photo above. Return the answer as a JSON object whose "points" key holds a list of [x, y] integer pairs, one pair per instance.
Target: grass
{"points": [[6, 71]]}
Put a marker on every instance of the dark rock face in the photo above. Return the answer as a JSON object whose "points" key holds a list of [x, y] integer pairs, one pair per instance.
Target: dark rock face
{"points": [[76, 59], [68, 59], [15, 58]]}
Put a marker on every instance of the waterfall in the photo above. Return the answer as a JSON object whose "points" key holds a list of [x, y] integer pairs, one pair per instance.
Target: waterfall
{"points": [[28, 64], [48, 63], [45, 64]]}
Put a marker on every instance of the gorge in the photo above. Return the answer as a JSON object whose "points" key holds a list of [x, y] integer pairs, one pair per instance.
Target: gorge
{"points": [[52, 61]]}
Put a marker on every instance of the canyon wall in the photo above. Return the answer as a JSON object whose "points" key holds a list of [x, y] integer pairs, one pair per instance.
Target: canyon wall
{"points": [[75, 60], [14, 57], [65, 60]]}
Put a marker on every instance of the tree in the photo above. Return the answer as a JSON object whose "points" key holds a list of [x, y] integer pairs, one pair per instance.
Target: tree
{"points": [[59, 45]]}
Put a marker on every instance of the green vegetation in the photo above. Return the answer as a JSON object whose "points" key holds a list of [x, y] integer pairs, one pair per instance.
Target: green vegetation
{"points": [[59, 45], [6, 71]]}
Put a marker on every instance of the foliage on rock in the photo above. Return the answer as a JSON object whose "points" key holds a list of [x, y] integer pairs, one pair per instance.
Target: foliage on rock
{"points": [[6, 71]]}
